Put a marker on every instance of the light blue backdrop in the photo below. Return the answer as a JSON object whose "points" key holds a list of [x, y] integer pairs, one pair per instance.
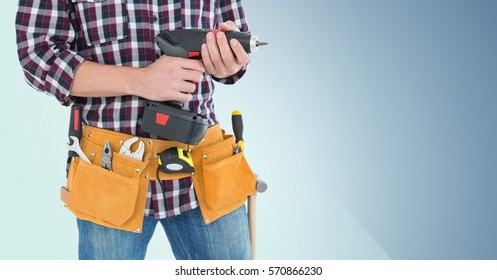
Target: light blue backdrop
{"points": [[373, 122]]}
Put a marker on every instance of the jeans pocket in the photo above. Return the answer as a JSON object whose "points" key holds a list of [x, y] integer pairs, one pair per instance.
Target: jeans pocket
{"points": [[102, 20]]}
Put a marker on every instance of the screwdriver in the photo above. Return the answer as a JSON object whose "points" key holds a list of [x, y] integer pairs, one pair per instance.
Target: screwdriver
{"points": [[237, 123]]}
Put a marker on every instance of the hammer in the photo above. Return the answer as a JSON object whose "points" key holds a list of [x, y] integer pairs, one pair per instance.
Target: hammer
{"points": [[260, 186]]}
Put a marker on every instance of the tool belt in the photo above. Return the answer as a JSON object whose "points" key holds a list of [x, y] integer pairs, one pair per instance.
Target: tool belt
{"points": [[222, 180]]}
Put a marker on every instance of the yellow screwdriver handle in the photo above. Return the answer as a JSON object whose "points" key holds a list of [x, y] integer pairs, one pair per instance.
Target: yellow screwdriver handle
{"points": [[237, 123]]}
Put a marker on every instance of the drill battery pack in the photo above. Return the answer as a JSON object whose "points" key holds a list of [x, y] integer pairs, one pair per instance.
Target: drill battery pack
{"points": [[171, 121]]}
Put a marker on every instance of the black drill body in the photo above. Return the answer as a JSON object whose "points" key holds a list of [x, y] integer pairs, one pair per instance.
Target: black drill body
{"points": [[188, 43]]}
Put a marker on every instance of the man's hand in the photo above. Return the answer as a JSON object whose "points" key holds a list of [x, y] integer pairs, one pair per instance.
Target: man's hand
{"points": [[217, 55], [170, 78]]}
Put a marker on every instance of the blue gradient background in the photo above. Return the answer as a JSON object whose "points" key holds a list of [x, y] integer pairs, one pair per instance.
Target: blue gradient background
{"points": [[373, 122]]}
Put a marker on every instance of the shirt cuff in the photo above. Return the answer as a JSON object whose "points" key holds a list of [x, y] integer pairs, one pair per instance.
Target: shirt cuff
{"points": [[61, 76], [232, 79]]}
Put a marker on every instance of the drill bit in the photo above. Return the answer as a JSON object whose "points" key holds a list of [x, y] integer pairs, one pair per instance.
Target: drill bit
{"points": [[259, 43]]}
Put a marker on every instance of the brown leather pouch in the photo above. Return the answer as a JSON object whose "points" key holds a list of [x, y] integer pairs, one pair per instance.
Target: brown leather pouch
{"points": [[222, 180], [114, 198], [107, 197]]}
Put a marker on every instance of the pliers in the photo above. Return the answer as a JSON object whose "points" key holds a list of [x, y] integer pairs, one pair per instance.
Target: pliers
{"points": [[107, 156], [138, 153]]}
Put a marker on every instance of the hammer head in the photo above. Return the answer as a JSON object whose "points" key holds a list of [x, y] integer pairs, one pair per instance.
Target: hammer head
{"points": [[260, 186]]}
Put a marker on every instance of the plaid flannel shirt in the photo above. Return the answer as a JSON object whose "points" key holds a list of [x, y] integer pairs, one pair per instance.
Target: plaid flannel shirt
{"points": [[55, 36]]}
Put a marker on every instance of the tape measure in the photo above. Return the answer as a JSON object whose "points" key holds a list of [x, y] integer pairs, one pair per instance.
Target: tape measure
{"points": [[175, 160]]}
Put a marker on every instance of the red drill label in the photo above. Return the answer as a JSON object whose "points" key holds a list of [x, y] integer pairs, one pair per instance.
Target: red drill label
{"points": [[76, 120], [161, 118]]}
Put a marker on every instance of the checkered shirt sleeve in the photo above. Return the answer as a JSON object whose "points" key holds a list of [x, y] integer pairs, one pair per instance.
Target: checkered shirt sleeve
{"points": [[44, 42]]}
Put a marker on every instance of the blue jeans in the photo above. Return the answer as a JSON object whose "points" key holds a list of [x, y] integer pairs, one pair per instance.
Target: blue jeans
{"points": [[226, 238]]}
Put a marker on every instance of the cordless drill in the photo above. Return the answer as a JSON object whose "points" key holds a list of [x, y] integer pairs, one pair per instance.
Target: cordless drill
{"points": [[170, 120], [188, 43]]}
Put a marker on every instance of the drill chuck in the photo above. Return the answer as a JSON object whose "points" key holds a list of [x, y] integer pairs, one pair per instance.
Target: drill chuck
{"points": [[255, 43], [249, 42]]}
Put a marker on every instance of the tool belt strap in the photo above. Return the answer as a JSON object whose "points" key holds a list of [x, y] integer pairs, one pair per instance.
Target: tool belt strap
{"points": [[94, 138]]}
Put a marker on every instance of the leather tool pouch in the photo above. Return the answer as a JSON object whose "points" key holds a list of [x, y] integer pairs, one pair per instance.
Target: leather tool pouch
{"points": [[117, 198], [222, 180], [114, 198]]}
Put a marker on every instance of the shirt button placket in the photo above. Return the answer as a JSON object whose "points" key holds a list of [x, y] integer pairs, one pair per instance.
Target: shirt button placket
{"points": [[155, 22]]}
